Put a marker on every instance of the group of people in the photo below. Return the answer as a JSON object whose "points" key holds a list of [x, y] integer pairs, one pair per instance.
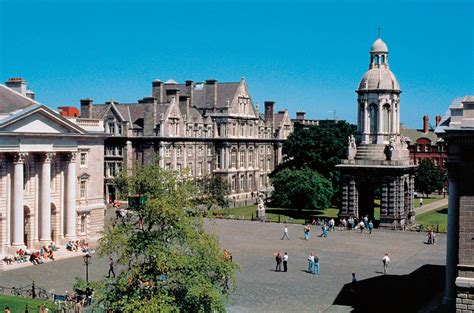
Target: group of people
{"points": [[78, 245], [281, 259], [313, 263], [353, 223], [431, 237], [35, 257]]}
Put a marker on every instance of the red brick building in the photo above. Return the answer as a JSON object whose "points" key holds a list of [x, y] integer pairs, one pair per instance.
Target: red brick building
{"points": [[425, 144]]}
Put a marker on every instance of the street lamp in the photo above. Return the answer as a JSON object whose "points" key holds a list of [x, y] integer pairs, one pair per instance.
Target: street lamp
{"points": [[87, 261]]}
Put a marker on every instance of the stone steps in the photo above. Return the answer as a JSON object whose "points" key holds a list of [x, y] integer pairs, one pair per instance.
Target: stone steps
{"points": [[370, 151]]}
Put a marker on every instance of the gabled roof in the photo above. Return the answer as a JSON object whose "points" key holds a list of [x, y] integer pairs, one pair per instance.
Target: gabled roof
{"points": [[415, 134], [11, 101]]}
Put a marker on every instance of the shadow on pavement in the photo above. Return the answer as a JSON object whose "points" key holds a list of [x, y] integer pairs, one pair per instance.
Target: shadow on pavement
{"points": [[394, 293]]}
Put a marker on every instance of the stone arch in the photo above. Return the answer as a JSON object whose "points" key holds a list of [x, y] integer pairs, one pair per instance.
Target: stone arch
{"points": [[28, 226], [55, 218]]}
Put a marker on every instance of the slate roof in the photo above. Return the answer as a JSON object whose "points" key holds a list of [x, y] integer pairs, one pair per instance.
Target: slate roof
{"points": [[415, 134], [225, 93], [11, 100]]}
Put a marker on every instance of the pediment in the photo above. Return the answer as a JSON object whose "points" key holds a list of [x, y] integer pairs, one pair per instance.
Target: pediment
{"points": [[41, 120], [84, 176]]}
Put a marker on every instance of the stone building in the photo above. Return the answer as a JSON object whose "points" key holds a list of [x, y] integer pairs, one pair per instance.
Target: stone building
{"points": [[457, 129], [302, 121], [425, 144], [50, 189], [378, 157], [197, 129]]}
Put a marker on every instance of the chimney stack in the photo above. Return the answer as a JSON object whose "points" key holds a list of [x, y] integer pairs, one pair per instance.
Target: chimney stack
{"points": [[211, 92], [149, 115], [300, 115], [157, 90], [190, 90], [438, 120], [269, 111], [425, 124], [18, 84], [172, 95], [86, 108]]}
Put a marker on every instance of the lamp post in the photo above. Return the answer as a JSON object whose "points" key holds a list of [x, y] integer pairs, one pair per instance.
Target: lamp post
{"points": [[87, 261]]}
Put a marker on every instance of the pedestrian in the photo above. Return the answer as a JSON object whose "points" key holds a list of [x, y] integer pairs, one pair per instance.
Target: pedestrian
{"points": [[385, 261], [278, 260], [331, 225], [111, 268], [354, 279], [307, 232], [361, 226], [370, 226], [351, 222], [316, 265], [310, 262], [285, 233], [7, 309], [421, 202], [366, 220], [285, 262]]}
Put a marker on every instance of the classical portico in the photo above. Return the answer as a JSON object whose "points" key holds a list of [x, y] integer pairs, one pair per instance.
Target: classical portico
{"points": [[378, 158], [51, 176]]}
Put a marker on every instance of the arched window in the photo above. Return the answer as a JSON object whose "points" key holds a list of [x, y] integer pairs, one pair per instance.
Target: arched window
{"points": [[386, 120], [373, 120], [383, 59], [376, 59]]}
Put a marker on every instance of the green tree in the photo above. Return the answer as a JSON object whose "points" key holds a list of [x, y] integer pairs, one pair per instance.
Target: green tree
{"points": [[301, 189], [320, 148], [213, 191], [429, 177], [169, 263]]}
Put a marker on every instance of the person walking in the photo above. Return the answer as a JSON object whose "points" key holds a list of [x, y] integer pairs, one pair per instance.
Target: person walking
{"points": [[421, 202], [285, 262], [285, 233], [111, 268], [385, 261], [354, 279], [307, 232], [370, 226], [278, 260], [361, 226], [316, 265], [310, 262], [325, 230]]}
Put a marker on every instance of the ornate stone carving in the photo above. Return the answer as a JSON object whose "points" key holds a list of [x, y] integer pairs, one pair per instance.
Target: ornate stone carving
{"points": [[71, 156], [20, 157], [47, 157]]}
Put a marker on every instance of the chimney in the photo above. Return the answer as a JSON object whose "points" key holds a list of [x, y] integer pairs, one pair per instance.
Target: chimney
{"points": [[157, 90], [438, 120], [149, 116], [300, 115], [211, 92], [18, 84], [86, 108], [30, 94], [172, 95], [425, 124], [269, 110], [190, 90]]}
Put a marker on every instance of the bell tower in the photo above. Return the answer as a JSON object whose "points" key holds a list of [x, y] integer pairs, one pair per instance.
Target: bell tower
{"points": [[378, 158]]}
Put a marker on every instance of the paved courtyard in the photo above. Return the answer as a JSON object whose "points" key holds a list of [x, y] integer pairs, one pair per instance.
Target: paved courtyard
{"points": [[259, 288]]}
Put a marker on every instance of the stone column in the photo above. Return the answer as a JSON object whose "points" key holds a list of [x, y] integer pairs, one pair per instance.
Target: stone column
{"points": [[279, 154], [71, 186], [452, 246], [128, 157], [45, 204], [18, 210]]}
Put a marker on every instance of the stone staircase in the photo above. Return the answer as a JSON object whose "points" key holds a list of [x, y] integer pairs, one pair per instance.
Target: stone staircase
{"points": [[370, 152]]}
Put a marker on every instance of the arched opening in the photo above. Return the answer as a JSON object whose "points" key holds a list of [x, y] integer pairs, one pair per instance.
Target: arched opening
{"points": [[373, 122], [386, 118], [27, 226], [383, 59], [54, 223], [376, 59]]}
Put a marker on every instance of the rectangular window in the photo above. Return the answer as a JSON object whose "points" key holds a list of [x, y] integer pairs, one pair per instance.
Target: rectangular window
{"points": [[200, 151], [218, 158], [190, 150], [190, 166], [179, 169], [167, 151], [199, 169], [168, 166], [83, 159], [119, 129], [242, 159], [262, 164], [418, 148], [178, 151], [233, 158], [83, 189], [209, 150], [241, 183], [250, 182], [112, 127], [250, 158], [209, 167], [83, 224], [435, 162], [232, 183], [110, 150]]}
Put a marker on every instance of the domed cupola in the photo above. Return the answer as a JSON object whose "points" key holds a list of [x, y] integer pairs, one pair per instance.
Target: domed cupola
{"points": [[379, 76]]}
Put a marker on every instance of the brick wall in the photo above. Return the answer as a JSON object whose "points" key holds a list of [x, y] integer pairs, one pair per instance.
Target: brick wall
{"points": [[465, 301], [466, 233]]}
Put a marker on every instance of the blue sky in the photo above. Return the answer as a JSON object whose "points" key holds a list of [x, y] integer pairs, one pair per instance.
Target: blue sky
{"points": [[306, 55]]}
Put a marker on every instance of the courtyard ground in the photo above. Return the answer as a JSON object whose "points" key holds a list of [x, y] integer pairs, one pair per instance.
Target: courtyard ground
{"points": [[261, 289]]}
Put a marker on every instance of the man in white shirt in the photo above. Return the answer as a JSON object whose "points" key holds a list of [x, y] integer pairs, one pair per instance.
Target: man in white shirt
{"points": [[285, 262], [285, 233], [385, 261]]}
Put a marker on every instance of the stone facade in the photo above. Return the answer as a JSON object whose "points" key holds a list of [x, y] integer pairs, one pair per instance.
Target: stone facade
{"points": [[50, 187], [197, 129], [378, 156], [457, 129]]}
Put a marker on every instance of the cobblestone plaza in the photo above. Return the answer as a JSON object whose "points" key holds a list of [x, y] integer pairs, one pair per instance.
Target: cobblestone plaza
{"points": [[260, 289]]}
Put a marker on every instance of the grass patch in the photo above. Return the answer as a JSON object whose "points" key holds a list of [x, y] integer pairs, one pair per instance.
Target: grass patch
{"points": [[426, 200], [282, 215], [18, 304], [437, 218]]}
